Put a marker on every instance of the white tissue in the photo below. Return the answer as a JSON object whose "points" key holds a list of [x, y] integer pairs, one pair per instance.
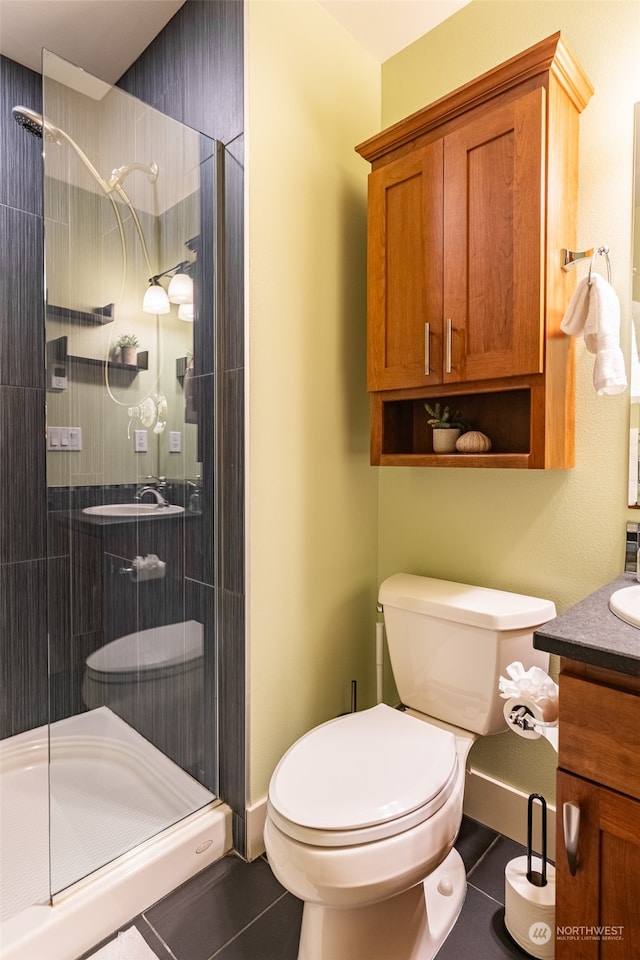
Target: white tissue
{"points": [[147, 568], [533, 683]]}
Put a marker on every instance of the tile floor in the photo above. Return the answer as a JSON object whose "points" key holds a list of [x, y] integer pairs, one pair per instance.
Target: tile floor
{"points": [[238, 911]]}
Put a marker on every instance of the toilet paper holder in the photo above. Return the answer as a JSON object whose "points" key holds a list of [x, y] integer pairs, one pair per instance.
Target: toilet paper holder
{"points": [[537, 878], [521, 716]]}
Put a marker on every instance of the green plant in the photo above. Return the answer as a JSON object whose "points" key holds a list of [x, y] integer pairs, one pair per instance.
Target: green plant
{"points": [[127, 340], [441, 419]]}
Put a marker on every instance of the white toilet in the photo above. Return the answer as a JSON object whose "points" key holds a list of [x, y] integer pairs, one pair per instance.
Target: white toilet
{"points": [[363, 811], [153, 679]]}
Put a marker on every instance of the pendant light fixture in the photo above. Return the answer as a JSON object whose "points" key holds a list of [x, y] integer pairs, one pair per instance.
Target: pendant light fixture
{"points": [[155, 299], [158, 300]]}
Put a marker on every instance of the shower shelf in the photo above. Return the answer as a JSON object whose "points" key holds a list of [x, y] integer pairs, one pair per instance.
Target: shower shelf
{"points": [[100, 315], [57, 352]]}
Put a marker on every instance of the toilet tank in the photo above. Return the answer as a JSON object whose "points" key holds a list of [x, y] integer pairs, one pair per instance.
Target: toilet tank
{"points": [[450, 642]]}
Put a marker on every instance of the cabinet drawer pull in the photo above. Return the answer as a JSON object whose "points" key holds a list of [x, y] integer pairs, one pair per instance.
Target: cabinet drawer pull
{"points": [[571, 828], [447, 346], [427, 334]]}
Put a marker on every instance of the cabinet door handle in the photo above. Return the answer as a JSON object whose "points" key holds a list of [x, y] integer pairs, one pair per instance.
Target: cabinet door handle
{"points": [[447, 347], [571, 827], [427, 334]]}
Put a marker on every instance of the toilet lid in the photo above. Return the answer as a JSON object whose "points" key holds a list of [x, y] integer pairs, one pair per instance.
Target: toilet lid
{"points": [[158, 648], [362, 769]]}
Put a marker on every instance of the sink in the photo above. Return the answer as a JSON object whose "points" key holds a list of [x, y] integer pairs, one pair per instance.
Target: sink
{"points": [[133, 510], [625, 603]]}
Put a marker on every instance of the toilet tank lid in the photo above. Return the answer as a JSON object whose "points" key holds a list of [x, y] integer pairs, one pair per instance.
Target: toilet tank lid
{"points": [[465, 603]]}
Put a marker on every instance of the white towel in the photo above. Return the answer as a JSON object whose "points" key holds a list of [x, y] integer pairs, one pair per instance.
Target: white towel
{"points": [[129, 945], [594, 312]]}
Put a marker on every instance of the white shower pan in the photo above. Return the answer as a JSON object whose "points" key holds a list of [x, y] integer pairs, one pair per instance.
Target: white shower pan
{"points": [[109, 788]]}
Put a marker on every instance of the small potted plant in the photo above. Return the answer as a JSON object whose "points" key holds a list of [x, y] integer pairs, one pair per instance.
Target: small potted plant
{"points": [[128, 344], [447, 427]]}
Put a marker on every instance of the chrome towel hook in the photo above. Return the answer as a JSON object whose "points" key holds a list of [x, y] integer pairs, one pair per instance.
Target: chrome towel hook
{"points": [[571, 257]]}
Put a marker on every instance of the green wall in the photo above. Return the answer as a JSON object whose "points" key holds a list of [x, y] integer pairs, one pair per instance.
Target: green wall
{"points": [[556, 534], [312, 94]]}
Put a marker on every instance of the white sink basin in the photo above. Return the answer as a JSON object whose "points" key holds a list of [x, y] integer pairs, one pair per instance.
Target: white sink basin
{"points": [[625, 603], [133, 510]]}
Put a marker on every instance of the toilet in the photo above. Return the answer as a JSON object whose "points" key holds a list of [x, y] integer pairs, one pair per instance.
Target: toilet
{"points": [[363, 811], [153, 679]]}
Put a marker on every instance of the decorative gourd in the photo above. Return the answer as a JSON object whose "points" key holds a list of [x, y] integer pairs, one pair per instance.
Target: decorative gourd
{"points": [[473, 442]]}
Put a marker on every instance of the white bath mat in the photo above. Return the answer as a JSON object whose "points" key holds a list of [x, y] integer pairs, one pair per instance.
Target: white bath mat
{"points": [[129, 945]]}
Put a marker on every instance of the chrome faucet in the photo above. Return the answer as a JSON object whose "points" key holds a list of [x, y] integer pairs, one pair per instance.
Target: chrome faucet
{"points": [[160, 483], [162, 502]]}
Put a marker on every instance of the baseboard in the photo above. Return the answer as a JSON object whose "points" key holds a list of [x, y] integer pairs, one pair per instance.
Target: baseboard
{"points": [[496, 804], [256, 816], [504, 808]]}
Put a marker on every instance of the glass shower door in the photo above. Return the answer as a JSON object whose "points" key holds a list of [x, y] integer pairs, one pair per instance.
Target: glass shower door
{"points": [[131, 286]]}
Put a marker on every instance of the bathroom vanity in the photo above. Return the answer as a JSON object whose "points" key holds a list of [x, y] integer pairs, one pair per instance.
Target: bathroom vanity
{"points": [[599, 773], [471, 200]]}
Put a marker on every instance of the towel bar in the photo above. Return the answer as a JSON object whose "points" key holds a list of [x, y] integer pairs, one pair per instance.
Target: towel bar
{"points": [[571, 257]]}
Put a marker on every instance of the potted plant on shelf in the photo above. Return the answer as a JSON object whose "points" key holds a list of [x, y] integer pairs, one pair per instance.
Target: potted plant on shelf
{"points": [[128, 344], [447, 427]]}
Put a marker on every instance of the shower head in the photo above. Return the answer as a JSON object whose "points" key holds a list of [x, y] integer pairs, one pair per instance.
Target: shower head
{"points": [[37, 125], [34, 124]]}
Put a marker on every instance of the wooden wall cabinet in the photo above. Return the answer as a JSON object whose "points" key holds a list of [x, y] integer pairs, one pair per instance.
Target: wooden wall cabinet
{"points": [[470, 201], [597, 912]]}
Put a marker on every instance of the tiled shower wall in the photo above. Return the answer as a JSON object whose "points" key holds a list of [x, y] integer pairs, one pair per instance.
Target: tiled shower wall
{"points": [[23, 499], [193, 71]]}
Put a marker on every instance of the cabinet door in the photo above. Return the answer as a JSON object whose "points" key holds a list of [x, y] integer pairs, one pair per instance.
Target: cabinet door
{"points": [[404, 346], [597, 909], [493, 243]]}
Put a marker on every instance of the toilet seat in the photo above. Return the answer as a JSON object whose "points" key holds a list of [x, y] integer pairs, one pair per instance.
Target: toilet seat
{"points": [[362, 777], [158, 651]]}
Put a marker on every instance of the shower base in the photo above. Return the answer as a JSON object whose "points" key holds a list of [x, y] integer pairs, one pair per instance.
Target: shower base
{"points": [[110, 789]]}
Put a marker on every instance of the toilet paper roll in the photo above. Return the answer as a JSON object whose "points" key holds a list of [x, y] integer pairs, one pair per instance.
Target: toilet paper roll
{"points": [[530, 911]]}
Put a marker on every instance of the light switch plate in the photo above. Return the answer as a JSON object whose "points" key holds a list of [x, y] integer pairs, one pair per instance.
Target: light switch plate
{"points": [[175, 441], [140, 441]]}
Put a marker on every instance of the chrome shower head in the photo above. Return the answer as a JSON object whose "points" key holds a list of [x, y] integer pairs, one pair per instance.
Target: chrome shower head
{"points": [[34, 124]]}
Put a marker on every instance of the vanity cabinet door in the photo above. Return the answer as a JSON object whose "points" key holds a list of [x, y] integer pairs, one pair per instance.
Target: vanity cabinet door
{"points": [[597, 909], [493, 228], [404, 266]]}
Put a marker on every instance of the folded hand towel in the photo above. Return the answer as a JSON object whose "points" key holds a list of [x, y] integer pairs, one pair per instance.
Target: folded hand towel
{"points": [[576, 313], [594, 312]]}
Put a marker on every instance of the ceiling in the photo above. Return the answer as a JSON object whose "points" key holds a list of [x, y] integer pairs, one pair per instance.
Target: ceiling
{"points": [[383, 27], [106, 36]]}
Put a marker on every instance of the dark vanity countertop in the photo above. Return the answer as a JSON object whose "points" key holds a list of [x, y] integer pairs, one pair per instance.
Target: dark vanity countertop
{"points": [[591, 633]]}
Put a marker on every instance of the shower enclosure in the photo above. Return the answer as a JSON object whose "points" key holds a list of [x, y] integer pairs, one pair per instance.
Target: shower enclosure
{"points": [[131, 285]]}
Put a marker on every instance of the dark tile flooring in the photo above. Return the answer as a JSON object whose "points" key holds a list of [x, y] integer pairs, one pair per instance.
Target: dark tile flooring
{"points": [[238, 911]]}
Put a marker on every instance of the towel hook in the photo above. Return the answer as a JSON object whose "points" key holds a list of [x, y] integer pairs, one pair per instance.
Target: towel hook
{"points": [[571, 257]]}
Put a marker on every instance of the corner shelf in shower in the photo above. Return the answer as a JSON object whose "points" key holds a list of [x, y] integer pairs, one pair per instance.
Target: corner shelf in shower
{"points": [[57, 352], [99, 316]]}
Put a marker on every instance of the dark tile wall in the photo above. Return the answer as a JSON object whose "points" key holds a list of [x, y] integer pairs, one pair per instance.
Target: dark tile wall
{"points": [[193, 71], [23, 613]]}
